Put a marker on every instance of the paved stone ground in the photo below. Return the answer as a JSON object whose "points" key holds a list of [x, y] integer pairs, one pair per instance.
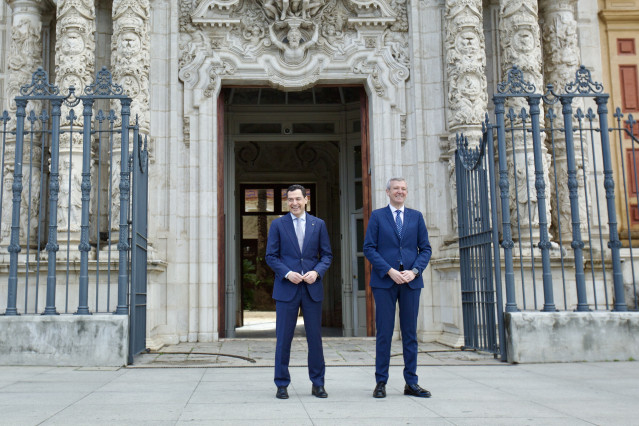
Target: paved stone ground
{"points": [[463, 394], [338, 351]]}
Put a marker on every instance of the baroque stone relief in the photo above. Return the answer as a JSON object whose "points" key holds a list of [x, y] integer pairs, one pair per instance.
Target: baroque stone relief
{"points": [[466, 71], [131, 57], [292, 42]]}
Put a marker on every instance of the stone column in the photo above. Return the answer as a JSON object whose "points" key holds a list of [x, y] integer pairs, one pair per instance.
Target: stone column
{"points": [[466, 71], [131, 61], [521, 46], [75, 66], [561, 61], [25, 56]]}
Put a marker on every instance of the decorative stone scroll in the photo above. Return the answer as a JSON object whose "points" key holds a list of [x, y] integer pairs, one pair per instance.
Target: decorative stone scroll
{"points": [[293, 42]]}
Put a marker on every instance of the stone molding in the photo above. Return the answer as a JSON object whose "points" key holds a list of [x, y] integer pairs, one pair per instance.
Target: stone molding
{"points": [[293, 44]]}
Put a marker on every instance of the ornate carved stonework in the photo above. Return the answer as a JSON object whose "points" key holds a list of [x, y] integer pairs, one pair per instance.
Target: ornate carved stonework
{"points": [[75, 66], [75, 44], [24, 56], [131, 57], [466, 71], [521, 46], [561, 60], [292, 43]]}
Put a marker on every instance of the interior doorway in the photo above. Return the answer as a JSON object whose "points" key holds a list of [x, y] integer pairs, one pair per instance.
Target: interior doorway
{"points": [[274, 139]]}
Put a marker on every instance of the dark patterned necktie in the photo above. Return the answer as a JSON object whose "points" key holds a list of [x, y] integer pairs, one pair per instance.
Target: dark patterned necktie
{"points": [[398, 222]]}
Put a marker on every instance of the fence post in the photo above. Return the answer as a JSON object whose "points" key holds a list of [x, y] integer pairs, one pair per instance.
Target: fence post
{"points": [[54, 189], [14, 245], [614, 244], [507, 239], [573, 187], [123, 246], [540, 186], [84, 247]]}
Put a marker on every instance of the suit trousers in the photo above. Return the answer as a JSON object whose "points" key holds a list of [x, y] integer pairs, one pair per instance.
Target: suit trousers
{"points": [[385, 301], [286, 319]]}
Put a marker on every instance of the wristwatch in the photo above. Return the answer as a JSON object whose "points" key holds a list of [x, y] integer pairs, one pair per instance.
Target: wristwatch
{"points": [[415, 271]]}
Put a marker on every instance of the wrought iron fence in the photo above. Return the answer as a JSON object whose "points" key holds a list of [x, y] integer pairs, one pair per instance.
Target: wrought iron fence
{"points": [[566, 219], [64, 199]]}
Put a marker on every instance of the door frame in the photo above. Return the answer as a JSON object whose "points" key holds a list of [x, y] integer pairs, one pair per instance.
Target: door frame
{"points": [[226, 187]]}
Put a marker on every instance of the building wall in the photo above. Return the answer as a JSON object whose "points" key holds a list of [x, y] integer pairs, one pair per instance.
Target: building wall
{"points": [[410, 80]]}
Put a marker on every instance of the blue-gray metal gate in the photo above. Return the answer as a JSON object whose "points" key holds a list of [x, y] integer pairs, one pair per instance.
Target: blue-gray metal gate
{"points": [[481, 296], [84, 161], [556, 207], [139, 239]]}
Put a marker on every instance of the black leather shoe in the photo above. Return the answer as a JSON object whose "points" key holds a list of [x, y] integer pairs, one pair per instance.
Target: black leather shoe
{"points": [[319, 391], [415, 390], [281, 393], [380, 390]]}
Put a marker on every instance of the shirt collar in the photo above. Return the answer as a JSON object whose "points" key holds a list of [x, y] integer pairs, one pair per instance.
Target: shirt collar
{"points": [[302, 217], [393, 209]]}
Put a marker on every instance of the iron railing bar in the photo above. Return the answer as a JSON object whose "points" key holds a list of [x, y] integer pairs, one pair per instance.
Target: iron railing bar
{"points": [[609, 183], [551, 119], [5, 119], [618, 115], [511, 117], [501, 341], [580, 131], [111, 119], [32, 119], [71, 118], [100, 118], [632, 122], [45, 120], [592, 130]]}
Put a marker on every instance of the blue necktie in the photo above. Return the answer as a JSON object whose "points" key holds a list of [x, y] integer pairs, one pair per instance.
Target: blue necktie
{"points": [[398, 222]]}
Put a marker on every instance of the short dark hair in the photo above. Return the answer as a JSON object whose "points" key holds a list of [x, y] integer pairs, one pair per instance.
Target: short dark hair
{"points": [[295, 187]]}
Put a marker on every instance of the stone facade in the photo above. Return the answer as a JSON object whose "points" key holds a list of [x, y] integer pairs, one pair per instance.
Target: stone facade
{"points": [[428, 68]]}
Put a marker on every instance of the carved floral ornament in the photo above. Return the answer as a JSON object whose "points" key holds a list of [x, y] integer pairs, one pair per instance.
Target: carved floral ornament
{"points": [[294, 41]]}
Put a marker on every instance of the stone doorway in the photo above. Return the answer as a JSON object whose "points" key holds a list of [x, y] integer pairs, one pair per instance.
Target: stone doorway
{"points": [[274, 139]]}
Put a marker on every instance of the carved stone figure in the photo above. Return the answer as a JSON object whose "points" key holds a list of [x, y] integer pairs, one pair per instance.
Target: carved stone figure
{"points": [[294, 47]]}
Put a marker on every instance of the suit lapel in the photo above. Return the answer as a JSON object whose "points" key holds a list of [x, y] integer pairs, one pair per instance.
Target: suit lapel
{"points": [[391, 220], [289, 228], [310, 228], [408, 216]]}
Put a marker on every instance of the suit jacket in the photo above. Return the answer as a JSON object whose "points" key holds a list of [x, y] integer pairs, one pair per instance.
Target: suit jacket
{"points": [[283, 255], [385, 249]]}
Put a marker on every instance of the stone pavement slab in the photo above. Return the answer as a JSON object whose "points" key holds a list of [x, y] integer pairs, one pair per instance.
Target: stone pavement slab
{"points": [[604, 393]]}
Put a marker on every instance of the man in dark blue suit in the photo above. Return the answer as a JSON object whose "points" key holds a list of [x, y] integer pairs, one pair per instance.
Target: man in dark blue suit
{"points": [[397, 246], [299, 252]]}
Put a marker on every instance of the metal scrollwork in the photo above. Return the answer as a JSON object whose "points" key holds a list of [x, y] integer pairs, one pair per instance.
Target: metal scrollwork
{"points": [[515, 83], [40, 85], [583, 83], [103, 85]]}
